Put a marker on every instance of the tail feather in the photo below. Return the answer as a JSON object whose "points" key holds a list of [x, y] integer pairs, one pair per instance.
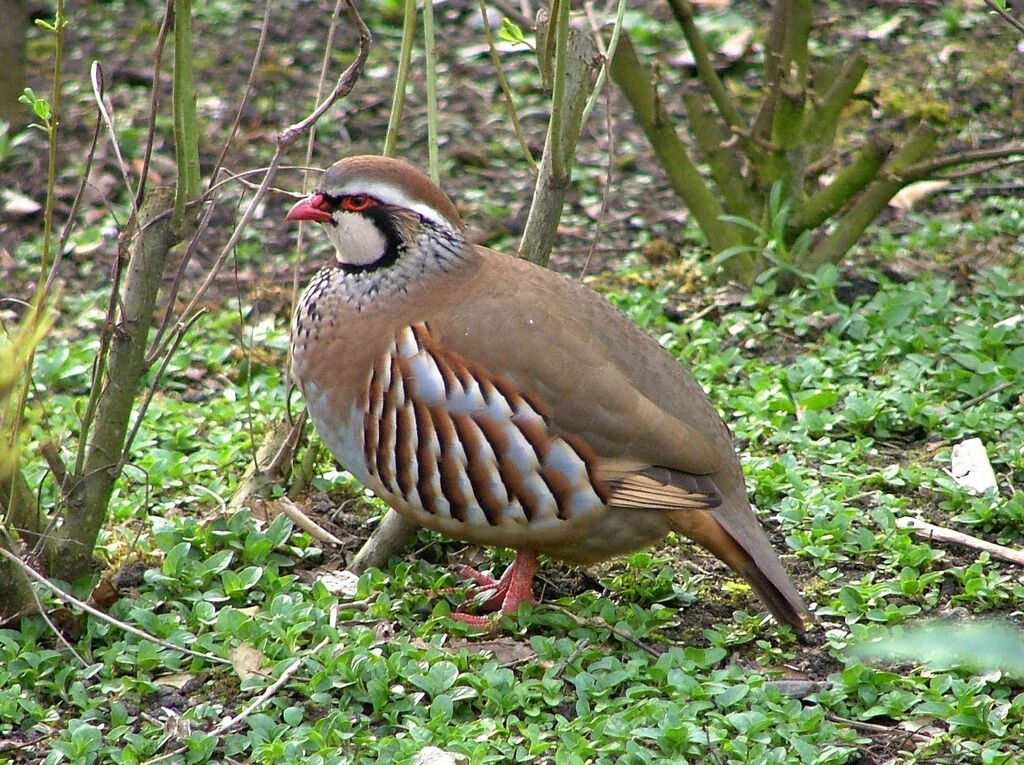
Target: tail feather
{"points": [[737, 539]]}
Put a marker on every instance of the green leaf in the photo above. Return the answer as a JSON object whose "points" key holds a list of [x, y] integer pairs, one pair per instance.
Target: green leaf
{"points": [[218, 561], [439, 678], [280, 529], [175, 559], [974, 363], [249, 576], [817, 400], [510, 32], [732, 695]]}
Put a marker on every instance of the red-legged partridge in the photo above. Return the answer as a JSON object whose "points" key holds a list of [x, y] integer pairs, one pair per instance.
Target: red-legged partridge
{"points": [[499, 403]]}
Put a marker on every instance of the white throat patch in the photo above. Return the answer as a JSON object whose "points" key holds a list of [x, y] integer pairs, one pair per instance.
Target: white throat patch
{"points": [[356, 239]]}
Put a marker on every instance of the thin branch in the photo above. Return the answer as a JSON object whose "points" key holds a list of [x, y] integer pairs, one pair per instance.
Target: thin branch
{"points": [[307, 524], [346, 81], [986, 395], [230, 722], [607, 53], [31, 572], [401, 78], [430, 54], [183, 328], [154, 100], [506, 91], [609, 127], [257, 57], [683, 12], [65, 234], [923, 170], [990, 188], [1011, 20], [158, 345], [49, 622], [96, 78], [930, 532], [600, 622], [285, 139]]}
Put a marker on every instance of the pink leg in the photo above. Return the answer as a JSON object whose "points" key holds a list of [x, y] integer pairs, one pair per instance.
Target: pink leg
{"points": [[514, 586]]}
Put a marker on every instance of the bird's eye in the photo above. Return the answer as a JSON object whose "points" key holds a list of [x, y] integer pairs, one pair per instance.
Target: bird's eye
{"points": [[357, 203]]}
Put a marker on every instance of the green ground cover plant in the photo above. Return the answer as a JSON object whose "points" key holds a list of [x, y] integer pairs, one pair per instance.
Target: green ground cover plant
{"points": [[847, 413], [845, 400]]}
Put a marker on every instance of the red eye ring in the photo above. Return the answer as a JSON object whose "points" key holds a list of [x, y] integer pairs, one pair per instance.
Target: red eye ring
{"points": [[357, 203]]}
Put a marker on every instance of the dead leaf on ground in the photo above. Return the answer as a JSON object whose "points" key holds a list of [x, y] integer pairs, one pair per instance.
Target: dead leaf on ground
{"points": [[504, 650], [908, 196], [16, 205], [884, 30], [175, 680], [246, 661], [343, 583], [104, 595]]}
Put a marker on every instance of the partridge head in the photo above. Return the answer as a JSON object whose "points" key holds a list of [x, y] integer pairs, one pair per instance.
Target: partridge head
{"points": [[499, 403]]}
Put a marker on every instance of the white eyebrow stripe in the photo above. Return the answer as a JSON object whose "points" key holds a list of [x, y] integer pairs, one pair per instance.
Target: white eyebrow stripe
{"points": [[393, 195]]}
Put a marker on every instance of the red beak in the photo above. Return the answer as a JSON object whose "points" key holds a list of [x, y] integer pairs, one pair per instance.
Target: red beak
{"points": [[313, 207]]}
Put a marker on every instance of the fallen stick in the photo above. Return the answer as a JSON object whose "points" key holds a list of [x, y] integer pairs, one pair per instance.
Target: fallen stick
{"points": [[389, 538], [925, 530], [307, 524], [59, 593]]}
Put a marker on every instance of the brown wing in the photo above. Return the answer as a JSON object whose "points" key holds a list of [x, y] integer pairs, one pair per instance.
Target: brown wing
{"points": [[629, 400]]}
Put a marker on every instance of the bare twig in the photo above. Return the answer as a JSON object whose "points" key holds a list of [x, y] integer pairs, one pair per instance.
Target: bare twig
{"points": [[602, 623], [154, 100], [607, 53], [391, 535], [31, 572], [285, 139], [307, 524], [96, 77], [874, 727], [65, 234], [53, 627], [1002, 13], [257, 57], [183, 328], [230, 722], [927, 168], [272, 462], [927, 531], [506, 91], [987, 394]]}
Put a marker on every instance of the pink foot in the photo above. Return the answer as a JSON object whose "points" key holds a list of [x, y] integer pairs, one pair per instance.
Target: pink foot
{"points": [[514, 587]]}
